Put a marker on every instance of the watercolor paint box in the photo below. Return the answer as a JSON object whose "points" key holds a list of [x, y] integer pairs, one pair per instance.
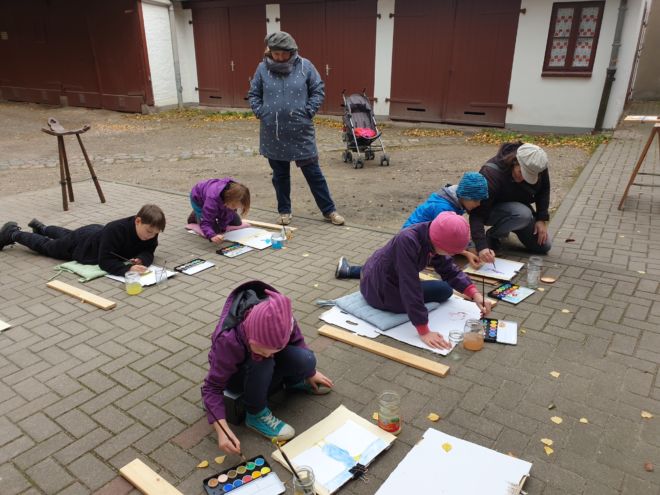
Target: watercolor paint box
{"points": [[237, 477], [511, 293], [500, 331]]}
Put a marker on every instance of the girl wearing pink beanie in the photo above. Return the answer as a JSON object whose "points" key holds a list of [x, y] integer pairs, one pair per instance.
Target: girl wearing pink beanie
{"points": [[390, 278], [257, 347]]}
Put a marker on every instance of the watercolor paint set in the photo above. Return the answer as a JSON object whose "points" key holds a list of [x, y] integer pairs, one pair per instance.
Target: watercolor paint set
{"points": [[239, 476], [511, 293], [500, 331]]}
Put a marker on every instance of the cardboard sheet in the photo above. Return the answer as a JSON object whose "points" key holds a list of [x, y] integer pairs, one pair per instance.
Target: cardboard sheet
{"points": [[452, 466], [500, 270]]}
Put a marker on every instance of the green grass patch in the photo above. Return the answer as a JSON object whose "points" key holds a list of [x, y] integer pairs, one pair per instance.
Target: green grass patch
{"points": [[587, 142]]}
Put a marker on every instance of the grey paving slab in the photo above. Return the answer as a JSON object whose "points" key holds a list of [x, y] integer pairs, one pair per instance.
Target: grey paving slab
{"points": [[83, 391]]}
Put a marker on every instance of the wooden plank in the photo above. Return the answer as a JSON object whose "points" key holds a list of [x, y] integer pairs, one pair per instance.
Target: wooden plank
{"points": [[83, 295], [4, 325], [146, 479], [266, 225], [398, 355]]}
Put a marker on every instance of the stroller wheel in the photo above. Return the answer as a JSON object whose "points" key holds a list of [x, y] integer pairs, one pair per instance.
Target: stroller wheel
{"points": [[385, 161], [349, 157], [358, 163]]}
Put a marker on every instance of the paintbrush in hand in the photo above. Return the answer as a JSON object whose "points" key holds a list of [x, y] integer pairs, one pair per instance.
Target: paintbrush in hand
{"points": [[122, 258], [227, 434]]}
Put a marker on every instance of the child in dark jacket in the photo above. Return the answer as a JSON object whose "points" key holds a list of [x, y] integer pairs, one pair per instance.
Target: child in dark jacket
{"points": [[133, 238], [390, 277], [256, 344], [216, 203]]}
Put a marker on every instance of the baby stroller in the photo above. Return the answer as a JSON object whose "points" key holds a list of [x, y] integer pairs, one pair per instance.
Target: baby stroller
{"points": [[360, 132]]}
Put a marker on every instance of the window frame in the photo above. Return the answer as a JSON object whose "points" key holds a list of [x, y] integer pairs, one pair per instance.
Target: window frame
{"points": [[568, 70]]}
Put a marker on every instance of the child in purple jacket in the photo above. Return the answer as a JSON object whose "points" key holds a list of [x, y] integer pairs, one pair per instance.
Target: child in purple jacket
{"points": [[390, 277], [256, 343], [215, 203]]}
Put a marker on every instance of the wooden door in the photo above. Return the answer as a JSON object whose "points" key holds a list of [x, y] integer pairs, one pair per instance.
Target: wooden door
{"points": [[247, 30], [423, 33], [211, 34], [482, 58], [350, 33]]}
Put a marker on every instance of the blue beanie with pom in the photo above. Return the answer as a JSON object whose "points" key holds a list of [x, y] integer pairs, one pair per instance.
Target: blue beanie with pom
{"points": [[473, 186]]}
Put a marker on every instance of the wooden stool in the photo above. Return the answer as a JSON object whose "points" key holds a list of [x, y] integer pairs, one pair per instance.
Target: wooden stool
{"points": [[56, 129], [655, 131]]}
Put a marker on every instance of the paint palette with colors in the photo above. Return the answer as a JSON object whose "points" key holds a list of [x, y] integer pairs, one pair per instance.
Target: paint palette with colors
{"points": [[237, 477]]}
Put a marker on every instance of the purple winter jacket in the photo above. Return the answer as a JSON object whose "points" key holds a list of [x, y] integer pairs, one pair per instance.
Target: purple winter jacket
{"points": [[215, 215], [390, 278], [229, 349]]}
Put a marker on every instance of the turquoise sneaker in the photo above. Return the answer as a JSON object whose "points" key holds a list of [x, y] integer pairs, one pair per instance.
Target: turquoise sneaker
{"points": [[305, 386], [269, 426]]}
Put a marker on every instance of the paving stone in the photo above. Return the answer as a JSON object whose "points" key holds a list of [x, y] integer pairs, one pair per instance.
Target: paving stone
{"points": [[49, 476], [76, 423], [39, 427], [91, 471]]}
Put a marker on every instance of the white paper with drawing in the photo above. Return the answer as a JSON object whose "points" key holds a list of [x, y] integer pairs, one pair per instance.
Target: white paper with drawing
{"points": [[455, 467], [154, 275], [250, 236], [501, 270], [450, 315]]}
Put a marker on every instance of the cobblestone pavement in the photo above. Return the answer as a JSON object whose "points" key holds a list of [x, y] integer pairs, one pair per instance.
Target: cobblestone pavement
{"points": [[84, 391]]}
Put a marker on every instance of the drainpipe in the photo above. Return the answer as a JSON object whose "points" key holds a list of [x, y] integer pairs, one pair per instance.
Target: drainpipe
{"points": [[611, 69], [175, 55]]}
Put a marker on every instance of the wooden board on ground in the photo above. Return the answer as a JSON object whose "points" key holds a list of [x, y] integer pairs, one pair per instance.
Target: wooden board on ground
{"points": [[146, 479], [83, 295], [398, 355], [4, 325], [266, 225]]}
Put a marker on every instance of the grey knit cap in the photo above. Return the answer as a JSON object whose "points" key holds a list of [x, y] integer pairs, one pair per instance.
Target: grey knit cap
{"points": [[280, 40]]}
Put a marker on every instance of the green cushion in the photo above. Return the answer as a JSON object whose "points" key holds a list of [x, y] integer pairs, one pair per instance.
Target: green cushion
{"points": [[85, 272]]}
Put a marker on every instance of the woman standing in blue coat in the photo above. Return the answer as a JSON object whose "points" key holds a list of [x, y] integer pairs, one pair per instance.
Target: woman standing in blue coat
{"points": [[285, 94]]}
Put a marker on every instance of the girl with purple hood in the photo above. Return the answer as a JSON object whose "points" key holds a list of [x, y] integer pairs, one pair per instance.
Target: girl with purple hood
{"points": [[216, 203], [256, 344]]}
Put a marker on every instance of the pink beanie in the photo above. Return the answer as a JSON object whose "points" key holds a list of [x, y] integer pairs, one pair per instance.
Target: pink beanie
{"points": [[449, 232], [269, 322]]}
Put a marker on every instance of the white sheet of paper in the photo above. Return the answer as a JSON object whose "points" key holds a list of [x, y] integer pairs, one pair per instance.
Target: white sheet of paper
{"points": [[154, 276], [253, 237], [501, 270], [467, 469], [325, 468], [352, 438], [450, 315], [337, 317]]}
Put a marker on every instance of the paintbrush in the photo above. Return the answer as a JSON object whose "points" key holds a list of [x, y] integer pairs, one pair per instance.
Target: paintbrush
{"points": [[286, 459], [121, 257], [283, 229], [226, 434]]}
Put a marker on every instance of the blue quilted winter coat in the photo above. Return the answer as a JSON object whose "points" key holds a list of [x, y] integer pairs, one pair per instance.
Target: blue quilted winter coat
{"points": [[285, 104]]}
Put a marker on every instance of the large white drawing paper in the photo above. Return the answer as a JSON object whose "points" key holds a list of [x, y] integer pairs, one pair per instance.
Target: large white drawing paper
{"points": [[154, 275], [325, 467], [501, 270], [450, 315], [452, 466], [253, 237]]}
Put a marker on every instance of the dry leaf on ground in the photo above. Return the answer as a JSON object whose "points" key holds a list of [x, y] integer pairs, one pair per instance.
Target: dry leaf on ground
{"points": [[203, 464], [556, 419], [646, 415], [433, 417], [220, 459], [547, 441], [548, 450], [584, 420], [374, 416], [555, 374]]}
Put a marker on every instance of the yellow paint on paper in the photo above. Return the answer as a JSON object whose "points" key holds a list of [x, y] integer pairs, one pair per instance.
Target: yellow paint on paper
{"points": [[446, 447]]}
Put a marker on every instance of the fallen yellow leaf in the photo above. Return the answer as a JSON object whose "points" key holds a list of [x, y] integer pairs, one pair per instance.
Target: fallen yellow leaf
{"points": [[548, 450], [565, 311], [203, 464], [522, 330], [541, 289], [584, 420], [446, 447], [305, 255], [433, 417], [556, 420], [646, 415], [220, 459], [374, 416], [555, 374], [547, 441]]}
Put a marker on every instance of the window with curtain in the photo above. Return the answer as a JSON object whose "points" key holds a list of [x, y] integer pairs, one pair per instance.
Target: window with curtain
{"points": [[572, 38]]}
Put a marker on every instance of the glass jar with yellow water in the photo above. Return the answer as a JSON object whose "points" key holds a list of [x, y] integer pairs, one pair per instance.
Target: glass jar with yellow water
{"points": [[133, 283]]}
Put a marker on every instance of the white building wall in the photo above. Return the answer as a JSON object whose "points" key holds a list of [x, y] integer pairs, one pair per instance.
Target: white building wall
{"points": [[384, 51], [566, 103], [187, 61], [159, 49]]}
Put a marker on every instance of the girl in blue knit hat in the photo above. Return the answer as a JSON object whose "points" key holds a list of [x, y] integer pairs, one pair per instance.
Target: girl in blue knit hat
{"points": [[471, 190]]}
